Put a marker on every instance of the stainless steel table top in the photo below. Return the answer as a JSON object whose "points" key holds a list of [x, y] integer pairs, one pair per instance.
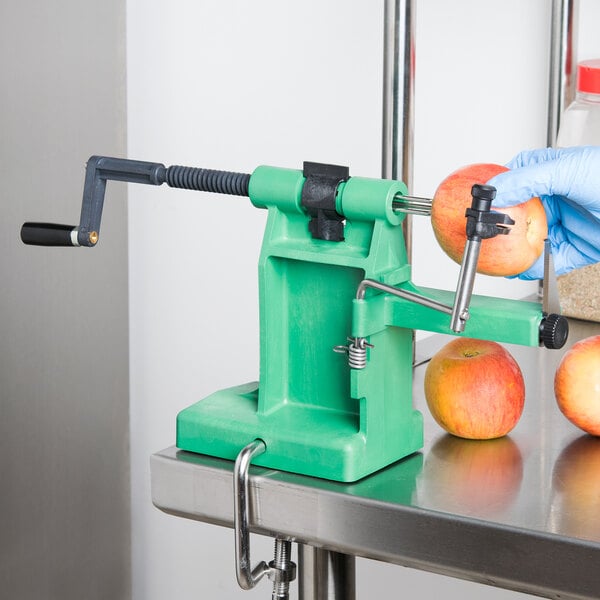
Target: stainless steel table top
{"points": [[521, 512]]}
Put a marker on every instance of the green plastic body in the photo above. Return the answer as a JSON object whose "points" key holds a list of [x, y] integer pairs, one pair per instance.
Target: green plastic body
{"points": [[317, 416]]}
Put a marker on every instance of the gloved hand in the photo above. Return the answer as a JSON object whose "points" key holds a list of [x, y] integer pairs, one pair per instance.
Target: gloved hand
{"points": [[567, 180]]}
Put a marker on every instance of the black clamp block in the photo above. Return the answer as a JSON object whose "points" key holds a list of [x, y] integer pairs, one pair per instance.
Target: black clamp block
{"points": [[318, 198]]}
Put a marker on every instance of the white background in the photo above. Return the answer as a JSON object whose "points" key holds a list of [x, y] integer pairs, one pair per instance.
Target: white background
{"points": [[234, 84]]}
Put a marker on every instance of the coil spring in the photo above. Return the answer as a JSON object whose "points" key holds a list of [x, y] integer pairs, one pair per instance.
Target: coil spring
{"points": [[357, 354], [208, 180], [356, 351]]}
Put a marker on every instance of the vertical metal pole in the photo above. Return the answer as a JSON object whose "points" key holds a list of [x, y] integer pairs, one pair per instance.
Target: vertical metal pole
{"points": [[325, 575], [563, 63], [562, 80], [562, 84], [398, 97]]}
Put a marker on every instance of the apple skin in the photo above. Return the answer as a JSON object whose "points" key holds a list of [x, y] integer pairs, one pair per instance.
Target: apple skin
{"points": [[577, 384], [475, 389], [503, 255]]}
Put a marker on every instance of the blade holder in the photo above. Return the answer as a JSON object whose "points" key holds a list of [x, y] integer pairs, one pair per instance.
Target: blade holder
{"points": [[482, 223]]}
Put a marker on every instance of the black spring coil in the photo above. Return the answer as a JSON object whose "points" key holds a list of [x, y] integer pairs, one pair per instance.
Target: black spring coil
{"points": [[208, 180]]}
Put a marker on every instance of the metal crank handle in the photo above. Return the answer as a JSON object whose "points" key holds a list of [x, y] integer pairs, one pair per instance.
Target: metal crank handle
{"points": [[49, 234], [100, 169]]}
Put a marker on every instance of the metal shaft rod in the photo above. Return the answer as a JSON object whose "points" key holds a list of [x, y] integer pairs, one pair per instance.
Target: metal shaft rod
{"points": [[413, 205], [394, 291], [464, 288], [325, 575], [398, 96]]}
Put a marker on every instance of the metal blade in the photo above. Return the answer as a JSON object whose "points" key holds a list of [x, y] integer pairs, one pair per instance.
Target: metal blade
{"points": [[550, 297]]}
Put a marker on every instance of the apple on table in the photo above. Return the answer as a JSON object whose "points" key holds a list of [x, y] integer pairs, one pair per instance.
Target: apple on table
{"points": [[475, 389]]}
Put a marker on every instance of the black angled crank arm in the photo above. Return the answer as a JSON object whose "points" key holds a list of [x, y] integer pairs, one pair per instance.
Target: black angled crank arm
{"points": [[98, 171], [101, 169]]}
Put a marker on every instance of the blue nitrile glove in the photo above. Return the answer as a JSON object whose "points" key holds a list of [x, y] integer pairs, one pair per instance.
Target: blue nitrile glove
{"points": [[567, 180]]}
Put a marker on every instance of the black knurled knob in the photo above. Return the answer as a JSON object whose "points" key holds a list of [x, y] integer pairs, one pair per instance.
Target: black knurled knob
{"points": [[554, 331], [482, 197], [487, 192]]}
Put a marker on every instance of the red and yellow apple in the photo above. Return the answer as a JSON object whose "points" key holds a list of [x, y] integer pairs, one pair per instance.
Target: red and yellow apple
{"points": [[503, 255], [577, 384], [475, 389]]}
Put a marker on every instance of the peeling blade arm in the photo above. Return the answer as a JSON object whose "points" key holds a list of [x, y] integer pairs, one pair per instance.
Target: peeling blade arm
{"points": [[550, 296]]}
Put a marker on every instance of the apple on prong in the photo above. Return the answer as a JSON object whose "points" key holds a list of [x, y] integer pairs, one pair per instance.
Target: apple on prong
{"points": [[503, 255], [474, 389]]}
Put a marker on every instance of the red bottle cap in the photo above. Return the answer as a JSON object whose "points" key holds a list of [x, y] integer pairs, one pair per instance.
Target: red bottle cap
{"points": [[588, 76]]}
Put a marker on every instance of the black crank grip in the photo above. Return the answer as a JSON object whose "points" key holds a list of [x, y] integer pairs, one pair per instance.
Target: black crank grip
{"points": [[49, 234]]}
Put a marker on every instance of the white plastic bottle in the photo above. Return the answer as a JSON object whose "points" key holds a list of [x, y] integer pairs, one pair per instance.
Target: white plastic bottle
{"points": [[580, 123], [579, 290]]}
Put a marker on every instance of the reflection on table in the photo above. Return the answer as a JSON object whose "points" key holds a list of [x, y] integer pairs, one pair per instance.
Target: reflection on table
{"points": [[575, 507], [479, 478]]}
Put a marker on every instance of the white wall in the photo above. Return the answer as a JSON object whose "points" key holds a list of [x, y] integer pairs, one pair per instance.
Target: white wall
{"points": [[234, 84]]}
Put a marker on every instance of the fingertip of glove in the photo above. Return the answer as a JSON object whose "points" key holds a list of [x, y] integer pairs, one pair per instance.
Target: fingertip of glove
{"points": [[503, 197]]}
